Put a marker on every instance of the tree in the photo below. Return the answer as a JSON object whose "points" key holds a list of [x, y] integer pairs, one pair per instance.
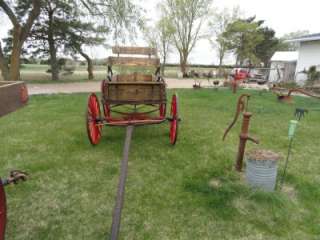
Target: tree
{"points": [[268, 46], [121, 17], [79, 34], [160, 37], [187, 18], [47, 36], [69, 26], [21, 30], [218, 25], [4, 67], [242, 36]]}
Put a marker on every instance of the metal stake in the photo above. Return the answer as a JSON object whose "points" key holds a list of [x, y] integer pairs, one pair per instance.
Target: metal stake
{"points": [[116, 218], [286, 164]]}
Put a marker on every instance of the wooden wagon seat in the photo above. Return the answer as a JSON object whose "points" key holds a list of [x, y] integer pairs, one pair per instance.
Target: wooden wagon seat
{"points": [[134, 61]]}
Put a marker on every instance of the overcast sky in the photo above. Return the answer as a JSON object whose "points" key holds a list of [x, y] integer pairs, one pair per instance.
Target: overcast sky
{"points": [[283, 16]]}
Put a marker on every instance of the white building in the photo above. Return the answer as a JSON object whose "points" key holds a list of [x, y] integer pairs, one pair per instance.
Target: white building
{"points": [[309, 55], [283, 66]]}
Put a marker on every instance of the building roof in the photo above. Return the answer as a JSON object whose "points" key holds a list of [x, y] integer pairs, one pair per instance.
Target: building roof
{"points": [[285, 56], [306, 38]]}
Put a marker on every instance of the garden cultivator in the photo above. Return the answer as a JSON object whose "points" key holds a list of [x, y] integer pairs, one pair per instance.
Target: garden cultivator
{"points": [[285, 95]]}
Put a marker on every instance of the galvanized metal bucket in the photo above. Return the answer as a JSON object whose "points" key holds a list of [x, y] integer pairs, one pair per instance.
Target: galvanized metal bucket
{"points": [[261, 169]]}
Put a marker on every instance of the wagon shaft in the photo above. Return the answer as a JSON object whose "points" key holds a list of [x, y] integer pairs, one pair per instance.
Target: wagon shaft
{"points": [[116, 219]]}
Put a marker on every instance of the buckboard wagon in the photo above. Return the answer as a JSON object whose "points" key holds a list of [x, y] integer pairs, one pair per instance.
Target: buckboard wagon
{"points": [[142, 95], [130, 100]]}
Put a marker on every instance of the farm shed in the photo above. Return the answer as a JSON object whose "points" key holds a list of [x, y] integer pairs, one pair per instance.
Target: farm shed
{"points": [[283, 66], [309, 55]]}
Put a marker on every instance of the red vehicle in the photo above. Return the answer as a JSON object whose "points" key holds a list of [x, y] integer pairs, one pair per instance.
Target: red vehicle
{"points": [[241, 74]]}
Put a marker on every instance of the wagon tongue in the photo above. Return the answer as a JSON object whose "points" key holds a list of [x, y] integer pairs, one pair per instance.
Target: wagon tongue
{"points": [[116, 218]]}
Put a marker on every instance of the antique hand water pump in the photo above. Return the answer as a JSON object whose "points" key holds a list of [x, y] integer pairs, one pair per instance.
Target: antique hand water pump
{"points": [[242, 106]]}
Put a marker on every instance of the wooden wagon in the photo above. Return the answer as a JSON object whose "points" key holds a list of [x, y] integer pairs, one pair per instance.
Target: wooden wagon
{"points": [[131, 99]]}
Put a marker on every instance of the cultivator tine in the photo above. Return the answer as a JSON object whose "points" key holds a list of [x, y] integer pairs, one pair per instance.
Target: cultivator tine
{"points": [[116, 218]]}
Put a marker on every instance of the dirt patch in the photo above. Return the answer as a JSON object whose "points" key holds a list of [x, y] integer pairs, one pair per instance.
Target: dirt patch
{"points": [[215, 183], [289, 191]]}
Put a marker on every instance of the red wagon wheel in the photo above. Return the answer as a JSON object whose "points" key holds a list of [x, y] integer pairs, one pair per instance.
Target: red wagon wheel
{"points": [[174, 119], [92, 118]]}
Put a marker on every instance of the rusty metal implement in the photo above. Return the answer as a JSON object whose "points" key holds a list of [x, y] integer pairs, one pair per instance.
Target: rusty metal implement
{"points": [[285, 95], [242, 107]]}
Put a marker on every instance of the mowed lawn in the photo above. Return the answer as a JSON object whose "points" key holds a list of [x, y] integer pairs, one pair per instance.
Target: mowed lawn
{"points": [[189, 191]]}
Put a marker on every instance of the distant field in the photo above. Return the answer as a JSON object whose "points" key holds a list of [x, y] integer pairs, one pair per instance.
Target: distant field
{"points": [[36, 73]]}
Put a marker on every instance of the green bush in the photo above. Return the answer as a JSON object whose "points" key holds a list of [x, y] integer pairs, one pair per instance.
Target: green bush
{"points": [[313, 75]]}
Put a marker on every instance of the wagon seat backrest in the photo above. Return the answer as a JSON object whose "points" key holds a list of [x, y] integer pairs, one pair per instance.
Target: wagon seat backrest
{"points": [[150, 59]]}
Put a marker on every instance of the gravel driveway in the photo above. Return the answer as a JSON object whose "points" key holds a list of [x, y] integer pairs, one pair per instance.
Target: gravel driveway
{"points": [[84, 87]]}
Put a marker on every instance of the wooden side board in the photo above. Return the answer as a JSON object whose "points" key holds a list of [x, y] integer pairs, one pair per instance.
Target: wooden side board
{"points": [[135, 77], [134, 61], [134, 50], [13, 95], [135, 93]]}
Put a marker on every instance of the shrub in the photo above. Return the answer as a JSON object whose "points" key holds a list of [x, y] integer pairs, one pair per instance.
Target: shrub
{"points": [[313, 75]]}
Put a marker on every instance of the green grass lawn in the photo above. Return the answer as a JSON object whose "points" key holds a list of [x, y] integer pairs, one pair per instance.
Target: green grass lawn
{"points": [[189, 191]]}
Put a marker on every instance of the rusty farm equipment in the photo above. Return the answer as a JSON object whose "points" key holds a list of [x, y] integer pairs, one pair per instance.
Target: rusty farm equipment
{"points": [[242, 107], [13, 95], [285, 95], [130, 100]]}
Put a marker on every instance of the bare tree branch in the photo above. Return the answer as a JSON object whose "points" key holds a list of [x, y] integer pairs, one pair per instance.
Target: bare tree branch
{"points": [[9, 13]]}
